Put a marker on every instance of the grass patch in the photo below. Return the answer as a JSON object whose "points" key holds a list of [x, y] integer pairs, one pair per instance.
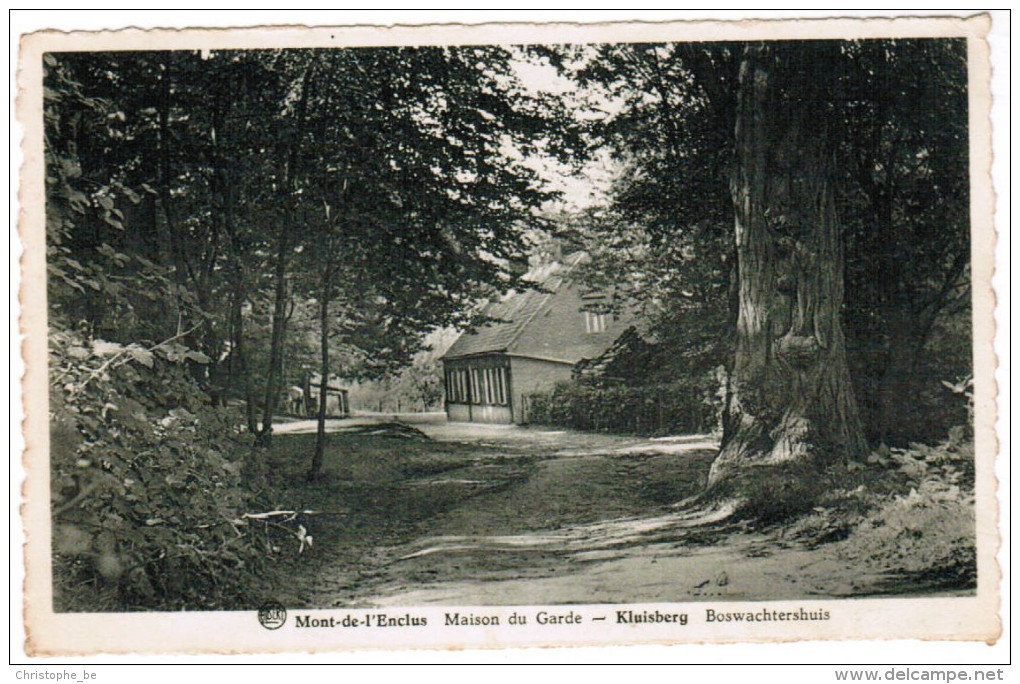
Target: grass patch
{"points": [[770, 494]]}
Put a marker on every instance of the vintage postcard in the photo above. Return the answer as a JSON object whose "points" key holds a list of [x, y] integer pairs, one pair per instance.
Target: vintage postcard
{"points": [[508, 335]]}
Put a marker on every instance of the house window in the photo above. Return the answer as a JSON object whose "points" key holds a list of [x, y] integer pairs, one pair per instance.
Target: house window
{"points": [[457, 386], [475, 387], [478, 386], [451, 386], [501, 386], [595, 322]]}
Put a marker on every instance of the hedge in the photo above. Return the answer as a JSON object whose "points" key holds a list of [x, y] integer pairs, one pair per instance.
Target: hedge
{"points": [[673, 408]]}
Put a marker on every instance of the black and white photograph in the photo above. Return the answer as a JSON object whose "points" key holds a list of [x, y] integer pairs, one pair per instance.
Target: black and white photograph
{"points": [[670, 330]]}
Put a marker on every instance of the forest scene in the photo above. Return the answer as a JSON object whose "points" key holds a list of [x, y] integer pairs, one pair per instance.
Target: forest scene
{"points": [[495, 325]]}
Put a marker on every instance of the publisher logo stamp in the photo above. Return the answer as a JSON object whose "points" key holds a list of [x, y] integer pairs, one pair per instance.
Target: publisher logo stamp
{"points": [[272, 615]]}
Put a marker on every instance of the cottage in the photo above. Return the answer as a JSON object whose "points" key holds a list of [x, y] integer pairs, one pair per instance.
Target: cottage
{"points": [[536, 340]]}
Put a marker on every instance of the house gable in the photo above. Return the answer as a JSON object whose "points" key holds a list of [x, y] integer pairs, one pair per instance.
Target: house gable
{"points": [[509, 318], [561, 330], [548, 324]]}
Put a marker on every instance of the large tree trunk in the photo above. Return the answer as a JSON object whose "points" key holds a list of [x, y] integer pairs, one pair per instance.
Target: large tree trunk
{"points": [[791, 399]]}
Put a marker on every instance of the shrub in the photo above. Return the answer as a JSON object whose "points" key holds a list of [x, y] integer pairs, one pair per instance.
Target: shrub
{"points": [[148, 483], [910, 518], [672, 408], [928, 534]]}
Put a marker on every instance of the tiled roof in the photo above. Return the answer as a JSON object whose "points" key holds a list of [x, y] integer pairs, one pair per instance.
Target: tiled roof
{"points": [[536, 323], [511, 315]]}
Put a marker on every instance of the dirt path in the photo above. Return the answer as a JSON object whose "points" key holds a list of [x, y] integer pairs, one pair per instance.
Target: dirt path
{"points": [[487, 515]]}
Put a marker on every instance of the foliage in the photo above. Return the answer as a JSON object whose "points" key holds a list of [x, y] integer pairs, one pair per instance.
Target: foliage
{"points": [[925, 530], [898, 111], [906, 514], [369, 195], [416, 387], [664, 243], [259, 212], [412, 205], [905, 207], [422, 384], [149, 484], [662, 409]]}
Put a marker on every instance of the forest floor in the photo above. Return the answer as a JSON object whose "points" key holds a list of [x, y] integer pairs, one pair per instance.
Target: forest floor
{"points": [[468, 514]]}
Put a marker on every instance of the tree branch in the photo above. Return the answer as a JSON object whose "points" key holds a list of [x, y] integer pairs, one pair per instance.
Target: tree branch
{"points": [[102, 369]]}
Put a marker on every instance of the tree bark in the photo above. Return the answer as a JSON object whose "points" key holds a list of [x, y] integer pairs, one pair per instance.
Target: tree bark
{"points": [[238, 356], [280, 313], [306, 392], [320, 431], [273, 379], [164, 189], [791, 398]]}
